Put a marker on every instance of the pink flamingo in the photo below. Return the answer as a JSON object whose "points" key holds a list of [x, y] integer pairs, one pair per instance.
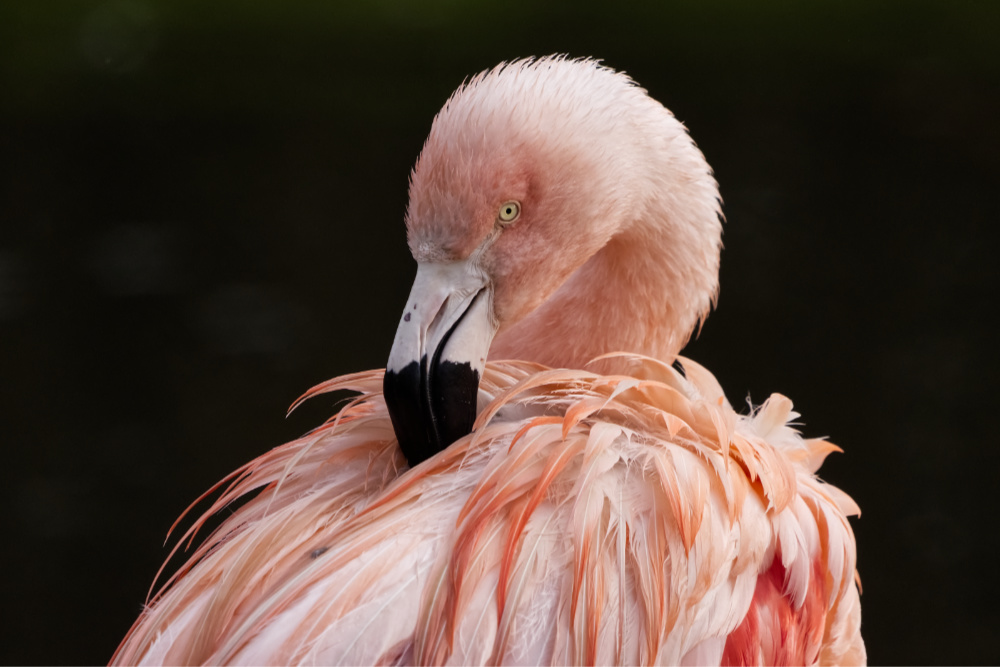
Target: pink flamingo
{"points": [[555, 510]]}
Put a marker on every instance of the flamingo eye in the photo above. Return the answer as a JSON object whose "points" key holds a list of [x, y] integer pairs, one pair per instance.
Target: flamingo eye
{"points": [[509, 211]]}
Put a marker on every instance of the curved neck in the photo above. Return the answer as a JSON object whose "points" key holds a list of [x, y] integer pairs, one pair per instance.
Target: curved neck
{"points": [[629, 297]]}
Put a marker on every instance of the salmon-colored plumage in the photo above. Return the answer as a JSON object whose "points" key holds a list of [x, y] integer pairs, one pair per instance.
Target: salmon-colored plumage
{"points": [[610, 508]]}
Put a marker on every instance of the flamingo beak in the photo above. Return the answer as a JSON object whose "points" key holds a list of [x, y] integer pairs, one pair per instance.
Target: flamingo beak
{"points": [[432, 377]]}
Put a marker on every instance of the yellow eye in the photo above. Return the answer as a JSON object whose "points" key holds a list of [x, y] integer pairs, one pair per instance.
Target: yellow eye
{"points": [[509, 212]]}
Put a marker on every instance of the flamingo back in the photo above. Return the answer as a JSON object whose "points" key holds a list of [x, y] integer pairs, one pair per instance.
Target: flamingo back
{"points": [[615, 519]]}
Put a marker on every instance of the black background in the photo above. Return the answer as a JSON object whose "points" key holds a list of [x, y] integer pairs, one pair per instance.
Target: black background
{"points": [[201, 217]]}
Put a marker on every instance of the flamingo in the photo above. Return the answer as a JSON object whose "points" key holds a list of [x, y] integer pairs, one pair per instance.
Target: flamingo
{"points": [[598, 500]]}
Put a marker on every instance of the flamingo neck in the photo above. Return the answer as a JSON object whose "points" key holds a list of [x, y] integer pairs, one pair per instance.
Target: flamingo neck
{"points": [[628, 297]]}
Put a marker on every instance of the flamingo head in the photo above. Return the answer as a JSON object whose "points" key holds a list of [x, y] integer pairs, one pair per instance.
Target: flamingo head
{"points": [[531, 171]]}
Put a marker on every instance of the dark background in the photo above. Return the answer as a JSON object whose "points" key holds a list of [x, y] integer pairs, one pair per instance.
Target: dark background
{"points": [[201, 216]]}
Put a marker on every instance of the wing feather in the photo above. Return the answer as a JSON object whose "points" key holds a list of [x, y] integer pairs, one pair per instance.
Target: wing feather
{"points": [[633, 519]]}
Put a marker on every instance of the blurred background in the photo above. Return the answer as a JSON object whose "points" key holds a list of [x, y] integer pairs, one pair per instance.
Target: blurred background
{"points": [[201, 213]]}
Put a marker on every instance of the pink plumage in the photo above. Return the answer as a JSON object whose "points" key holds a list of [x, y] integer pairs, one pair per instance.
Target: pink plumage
{"points": [[606, 507]]}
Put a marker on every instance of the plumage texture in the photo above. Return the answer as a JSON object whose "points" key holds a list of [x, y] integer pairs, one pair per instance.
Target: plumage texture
{"points": [[605, 508], [627, 519]]}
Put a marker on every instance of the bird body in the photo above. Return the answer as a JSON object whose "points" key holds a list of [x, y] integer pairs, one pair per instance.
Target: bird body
{"points": [[572, 507]]}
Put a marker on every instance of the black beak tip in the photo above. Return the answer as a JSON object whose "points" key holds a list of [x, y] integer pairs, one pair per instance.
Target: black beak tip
{"points": [[453, 401], [430, 410]]}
